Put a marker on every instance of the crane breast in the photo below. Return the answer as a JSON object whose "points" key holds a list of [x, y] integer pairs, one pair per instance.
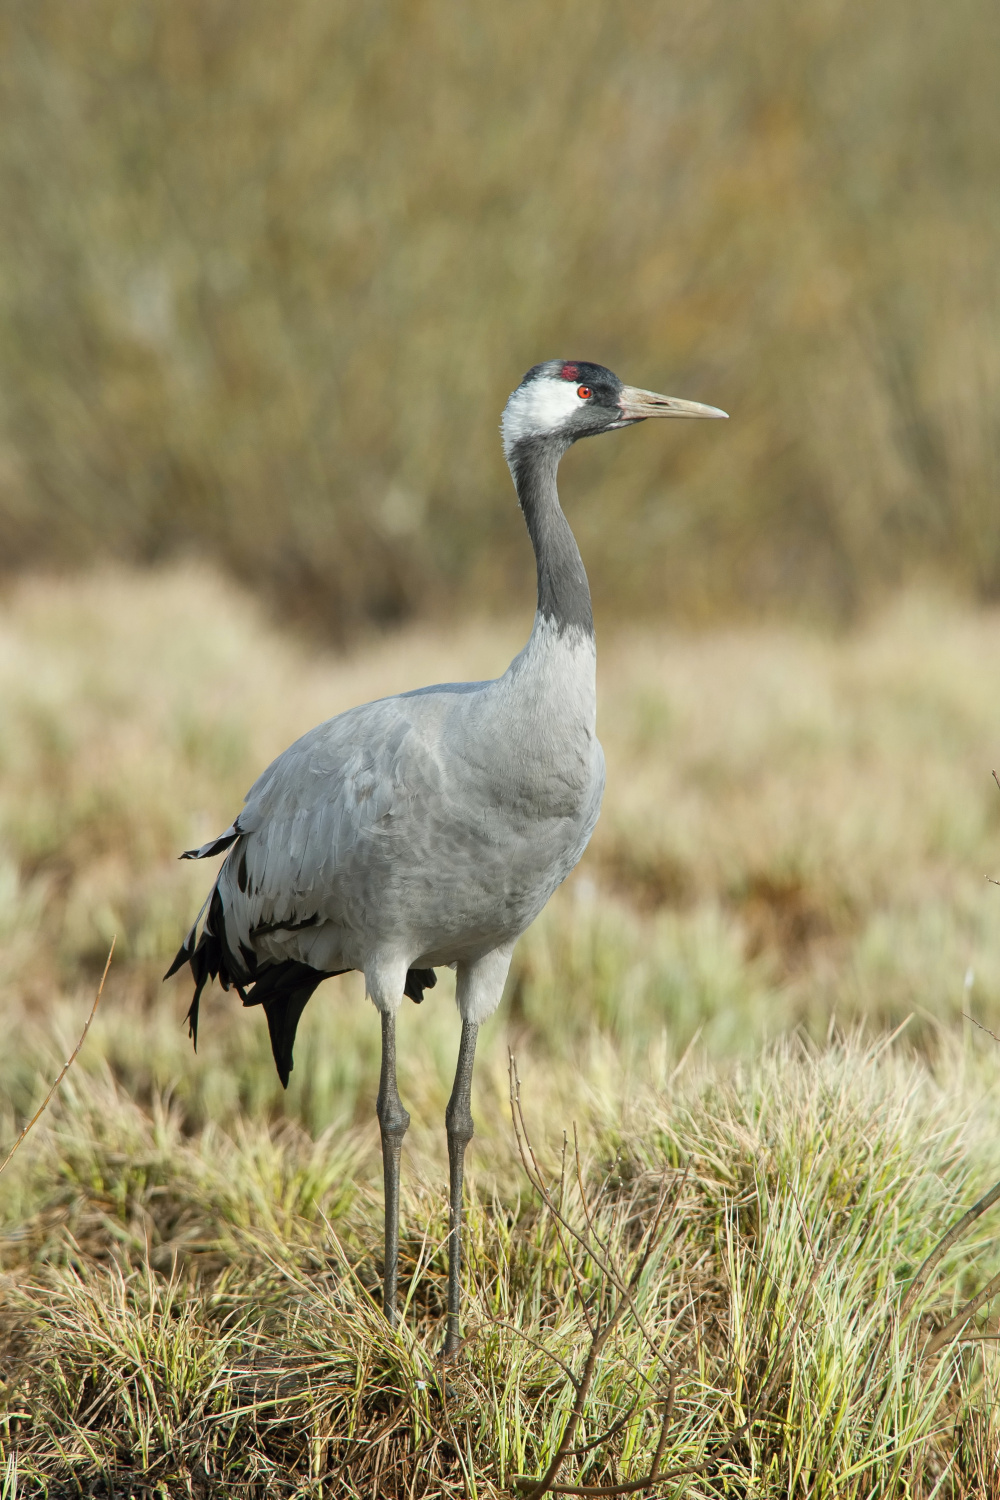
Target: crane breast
{"points": [[408, 822]]}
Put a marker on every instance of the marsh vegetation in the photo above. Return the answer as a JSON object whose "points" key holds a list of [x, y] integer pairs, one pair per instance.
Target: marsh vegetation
{"points": [[267, 278], [747, 1002], [267, 275]]}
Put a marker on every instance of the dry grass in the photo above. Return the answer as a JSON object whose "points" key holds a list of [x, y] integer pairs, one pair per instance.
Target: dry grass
{"points": [[796, 834], [267, 277], [196, 1311], [795, 826]]}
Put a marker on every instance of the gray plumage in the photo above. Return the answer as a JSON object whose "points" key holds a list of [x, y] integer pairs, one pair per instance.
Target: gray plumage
{"points": [[421, 830], [431, 828]]}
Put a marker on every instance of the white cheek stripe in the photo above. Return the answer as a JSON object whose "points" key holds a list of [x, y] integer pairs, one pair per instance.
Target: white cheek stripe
{"points": [[542, 406]]}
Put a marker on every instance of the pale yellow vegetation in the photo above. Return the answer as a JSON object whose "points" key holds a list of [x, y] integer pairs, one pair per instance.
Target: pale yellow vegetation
{"points": [[796, 834]]}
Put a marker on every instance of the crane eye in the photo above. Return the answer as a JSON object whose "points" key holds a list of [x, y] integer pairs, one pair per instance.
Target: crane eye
{"points": [[584, 392]]}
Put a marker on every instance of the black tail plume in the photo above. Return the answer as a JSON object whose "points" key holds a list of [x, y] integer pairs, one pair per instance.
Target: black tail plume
{"points": [[418, 980], [210, 957], [284, 990]]}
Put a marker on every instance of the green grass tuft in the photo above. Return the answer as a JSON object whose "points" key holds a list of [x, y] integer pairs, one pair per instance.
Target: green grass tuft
{"points": [[201, 1313]]}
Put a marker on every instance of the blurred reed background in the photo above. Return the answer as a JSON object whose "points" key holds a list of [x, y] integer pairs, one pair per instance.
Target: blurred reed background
{"points": [[267, 275]]}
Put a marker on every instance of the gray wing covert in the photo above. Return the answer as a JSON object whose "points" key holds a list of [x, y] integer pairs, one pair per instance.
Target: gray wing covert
{"points": [[331, 808]]}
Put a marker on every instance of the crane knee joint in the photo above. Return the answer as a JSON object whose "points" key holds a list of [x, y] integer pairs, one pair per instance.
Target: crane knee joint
{"points": [[393, 1119], [459, 1126]]}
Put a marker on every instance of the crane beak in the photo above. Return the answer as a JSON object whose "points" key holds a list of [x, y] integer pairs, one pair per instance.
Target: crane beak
{"points": [[637, 405]]}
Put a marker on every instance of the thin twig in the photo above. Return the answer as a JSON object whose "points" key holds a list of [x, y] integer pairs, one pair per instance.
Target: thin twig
{"points": [[668, 1411], [993, 1034], [604, 1437], [67, 1064], [534, 1175], [634, 1488], [604, 1244], [536, 1344], [535, 1488], [947, 1333], [944, 1244]]}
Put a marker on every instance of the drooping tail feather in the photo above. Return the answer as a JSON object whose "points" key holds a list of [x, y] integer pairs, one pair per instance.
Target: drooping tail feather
{"points": [[418, 980], [283, 989], [214, 846], [210, 957]]}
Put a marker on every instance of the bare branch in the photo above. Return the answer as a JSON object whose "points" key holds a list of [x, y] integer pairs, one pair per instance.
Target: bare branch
{"points": [[66, 1065], [613, 1276], [600, 1331], [668, 1411], [535, 1178], [635, 1488], [947, 1333], [981, 1026], [523, 1484], [535, 1344], [944, 1244], [605, 1436]]}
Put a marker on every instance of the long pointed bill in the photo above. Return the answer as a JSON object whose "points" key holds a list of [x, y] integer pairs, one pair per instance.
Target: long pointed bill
{"points": [[636, 405]]}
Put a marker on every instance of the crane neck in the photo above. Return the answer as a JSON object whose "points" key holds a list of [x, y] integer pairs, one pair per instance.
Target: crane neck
{"points": [[563, 590]]}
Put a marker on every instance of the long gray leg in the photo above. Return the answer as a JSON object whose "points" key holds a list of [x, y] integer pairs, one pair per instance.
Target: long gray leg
{"points": [[393, 1123], [458, 1118]]}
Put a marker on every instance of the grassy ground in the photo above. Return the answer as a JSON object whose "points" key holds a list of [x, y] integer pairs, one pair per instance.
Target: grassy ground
{"points": [[794, 842]]}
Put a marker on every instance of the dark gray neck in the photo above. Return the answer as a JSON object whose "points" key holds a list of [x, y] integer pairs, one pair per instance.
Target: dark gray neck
{"points": [[563, 591]]}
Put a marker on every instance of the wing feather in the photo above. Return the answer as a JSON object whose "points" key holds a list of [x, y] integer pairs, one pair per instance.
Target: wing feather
{"points": [[322, 815]]}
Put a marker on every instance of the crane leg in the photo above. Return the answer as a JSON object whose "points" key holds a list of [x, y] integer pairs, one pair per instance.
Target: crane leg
{"points": [[458, 1118], [393, 1123]]}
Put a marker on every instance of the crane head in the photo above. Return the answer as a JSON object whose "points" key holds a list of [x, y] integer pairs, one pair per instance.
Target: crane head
{"points": [[567, 399]]}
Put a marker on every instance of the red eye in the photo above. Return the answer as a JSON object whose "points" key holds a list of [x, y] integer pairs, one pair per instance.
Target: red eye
{"points": [[584, 392]]}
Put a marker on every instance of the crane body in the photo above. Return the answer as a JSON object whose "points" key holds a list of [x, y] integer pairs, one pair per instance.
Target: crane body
{"points": [[430, 828]]}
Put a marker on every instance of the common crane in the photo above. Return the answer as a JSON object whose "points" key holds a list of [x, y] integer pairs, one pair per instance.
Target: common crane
{"points": [[430, 828]]}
